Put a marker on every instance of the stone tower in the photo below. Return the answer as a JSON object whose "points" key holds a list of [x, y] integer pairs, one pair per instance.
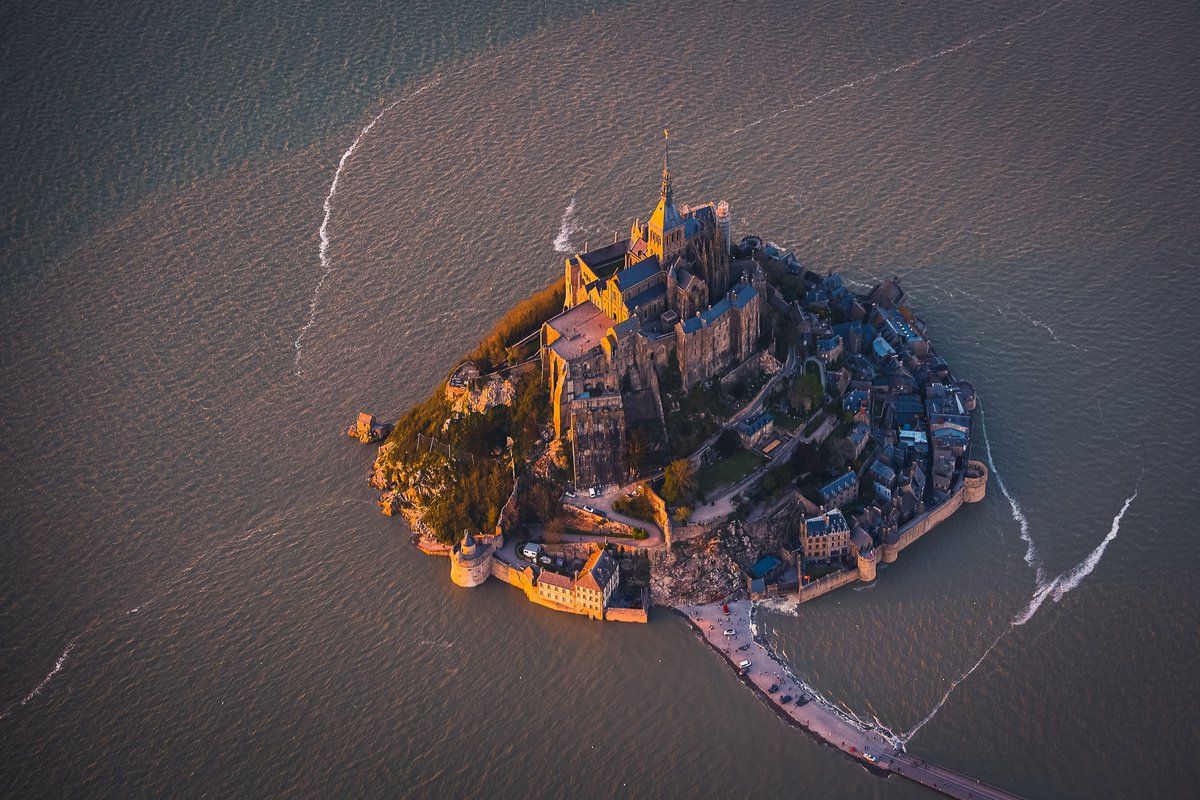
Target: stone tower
{"points": [[665, 233], [723, 225], [975, 482], [470, 562]]}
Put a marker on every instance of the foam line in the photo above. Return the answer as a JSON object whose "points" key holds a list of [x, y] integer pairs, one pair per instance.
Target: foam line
{"points": [[1068, 581], [323, 250], [867, 79], [1017, 513], [562, 242], [906, 738], [1056, 589]]}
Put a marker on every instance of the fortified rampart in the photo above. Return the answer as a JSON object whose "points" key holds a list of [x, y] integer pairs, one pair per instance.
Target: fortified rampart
{"points": [[922, 524], [827, 584]]}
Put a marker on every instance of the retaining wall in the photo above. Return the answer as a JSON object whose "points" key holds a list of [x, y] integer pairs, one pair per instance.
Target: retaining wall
{"points": [[626, 615]]}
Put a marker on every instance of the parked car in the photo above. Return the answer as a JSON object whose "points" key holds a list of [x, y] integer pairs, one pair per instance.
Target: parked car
{"points": [[593, 491], [744, 647], [787, 698], [589, 509], [774, 688], [867, 756], [743, 666], [730, 632], [570, 494]]}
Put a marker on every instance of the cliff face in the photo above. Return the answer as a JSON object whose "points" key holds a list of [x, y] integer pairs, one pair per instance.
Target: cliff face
{"points": [[407, 487]]}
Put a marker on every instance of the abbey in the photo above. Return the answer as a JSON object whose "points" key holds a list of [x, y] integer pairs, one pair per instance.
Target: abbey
{"points": [[668, 297]]}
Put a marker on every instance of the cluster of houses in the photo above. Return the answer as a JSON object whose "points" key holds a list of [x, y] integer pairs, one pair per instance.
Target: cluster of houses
{"points": [[910, 431]]}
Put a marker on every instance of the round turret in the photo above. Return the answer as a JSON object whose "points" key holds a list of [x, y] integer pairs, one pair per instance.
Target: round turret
{"points": [[866, 565], [864, 553], [975, 482], [470, 562]]}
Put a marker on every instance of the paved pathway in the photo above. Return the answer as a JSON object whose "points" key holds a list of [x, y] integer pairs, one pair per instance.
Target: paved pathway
{"points": [[835, 727], [604, 503]]}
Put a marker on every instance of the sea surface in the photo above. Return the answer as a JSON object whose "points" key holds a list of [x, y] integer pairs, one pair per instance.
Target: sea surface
{"points": [[228, 228]]}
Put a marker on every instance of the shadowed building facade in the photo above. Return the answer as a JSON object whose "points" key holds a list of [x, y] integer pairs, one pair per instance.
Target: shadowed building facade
{"points": [[669, 289]]}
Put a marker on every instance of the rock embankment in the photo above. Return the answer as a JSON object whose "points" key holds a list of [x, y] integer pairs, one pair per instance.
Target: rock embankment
{"points": [[692, 572], [710, 568], [476, 395]]}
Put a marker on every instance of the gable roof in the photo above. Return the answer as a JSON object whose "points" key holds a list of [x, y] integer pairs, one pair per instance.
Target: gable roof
{"points": [[598, 571]]}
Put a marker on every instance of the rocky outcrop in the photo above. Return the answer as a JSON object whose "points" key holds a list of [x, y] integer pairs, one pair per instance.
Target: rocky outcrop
{"points": [[367, 429], [692, 572], [704, 570], [477, 395], [746, 542]]}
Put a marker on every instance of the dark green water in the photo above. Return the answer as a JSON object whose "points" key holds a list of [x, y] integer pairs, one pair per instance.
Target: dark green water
{"points": [[198, 593]]}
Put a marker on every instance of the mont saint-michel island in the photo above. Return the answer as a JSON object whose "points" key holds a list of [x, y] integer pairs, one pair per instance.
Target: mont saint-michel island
{"points": [[691, 418]]}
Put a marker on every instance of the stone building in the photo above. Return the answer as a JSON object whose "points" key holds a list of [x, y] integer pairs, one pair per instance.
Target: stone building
{"points": [[825, 537], [588, 591], [840, 491], [666, 290]]}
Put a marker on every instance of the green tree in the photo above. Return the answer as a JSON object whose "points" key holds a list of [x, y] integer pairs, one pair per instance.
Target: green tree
{"points": [[679, 483], [806, 392]]}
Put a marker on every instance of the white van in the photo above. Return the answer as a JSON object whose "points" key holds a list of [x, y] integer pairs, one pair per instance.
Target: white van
{"points": [[745, 665]]}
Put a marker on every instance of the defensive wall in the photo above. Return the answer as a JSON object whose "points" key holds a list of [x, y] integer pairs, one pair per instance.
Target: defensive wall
{"points": [[672, 530], [827, 584], [910, 532], [761, 362], [922, 524]]}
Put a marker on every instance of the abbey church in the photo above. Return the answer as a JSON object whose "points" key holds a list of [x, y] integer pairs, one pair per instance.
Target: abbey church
{"points": [[670, 289]]}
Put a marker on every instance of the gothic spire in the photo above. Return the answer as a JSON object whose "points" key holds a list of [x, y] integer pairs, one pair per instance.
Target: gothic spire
{"points": [[666, 179]]}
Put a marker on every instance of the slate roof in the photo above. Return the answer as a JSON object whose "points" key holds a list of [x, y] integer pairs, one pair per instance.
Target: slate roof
{"points": [[633, 275], [642, 298], [602, 256], [743, 295], [598, 571], [751, 426], [833, 522], [838, 485]]}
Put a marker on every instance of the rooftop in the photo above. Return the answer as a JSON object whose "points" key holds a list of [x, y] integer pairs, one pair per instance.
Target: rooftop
{"points": [[643, 270], [579, 329]]}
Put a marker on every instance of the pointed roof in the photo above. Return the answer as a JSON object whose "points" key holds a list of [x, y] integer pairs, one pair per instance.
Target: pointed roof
{"points": [[666, 216]]}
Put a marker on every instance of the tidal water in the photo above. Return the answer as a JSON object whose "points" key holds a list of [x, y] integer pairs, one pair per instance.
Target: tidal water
{"points": [[229, 228]]}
